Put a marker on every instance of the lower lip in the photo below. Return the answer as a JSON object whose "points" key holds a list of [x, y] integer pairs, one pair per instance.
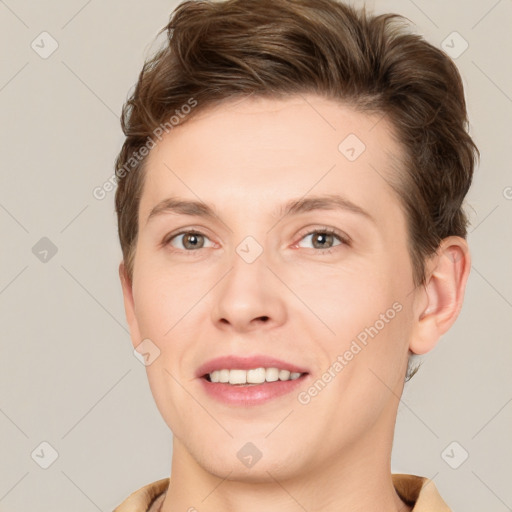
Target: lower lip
{"points": [[255, 394]]}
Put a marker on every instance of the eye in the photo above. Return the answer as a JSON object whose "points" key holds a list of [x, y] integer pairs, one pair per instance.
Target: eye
{"points": [[188, 240], [325, 239]]}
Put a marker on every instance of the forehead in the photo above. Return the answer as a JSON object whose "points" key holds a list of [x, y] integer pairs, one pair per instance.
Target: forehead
{"points": [[256, 153]]}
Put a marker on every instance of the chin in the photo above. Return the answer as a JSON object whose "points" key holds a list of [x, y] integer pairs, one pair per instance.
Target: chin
{"points": [[247, 461]]}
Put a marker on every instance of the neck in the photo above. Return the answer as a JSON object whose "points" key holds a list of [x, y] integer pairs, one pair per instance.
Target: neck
{"points": [[359, 479]]}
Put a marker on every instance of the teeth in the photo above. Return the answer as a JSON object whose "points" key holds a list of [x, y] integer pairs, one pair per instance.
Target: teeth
{"points": [[253, 376], [271, 374], [256, 376], [284, 374], [237, 377]]}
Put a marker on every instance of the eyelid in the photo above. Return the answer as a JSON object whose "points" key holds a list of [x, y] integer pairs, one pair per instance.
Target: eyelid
{"points": [[184, 231]]}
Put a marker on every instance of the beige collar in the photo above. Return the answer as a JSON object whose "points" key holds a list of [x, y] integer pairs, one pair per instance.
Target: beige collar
{"points": [[414, 490]]}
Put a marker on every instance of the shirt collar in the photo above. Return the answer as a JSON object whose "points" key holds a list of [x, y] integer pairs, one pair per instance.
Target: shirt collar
{"points": [[416, 491]]}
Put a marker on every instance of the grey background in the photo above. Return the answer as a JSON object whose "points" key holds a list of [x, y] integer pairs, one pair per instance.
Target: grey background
{"points": [[68, 376]]}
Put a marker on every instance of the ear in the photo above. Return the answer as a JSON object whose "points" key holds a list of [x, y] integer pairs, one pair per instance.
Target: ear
{"points": [[129, 306], [441, 297]]}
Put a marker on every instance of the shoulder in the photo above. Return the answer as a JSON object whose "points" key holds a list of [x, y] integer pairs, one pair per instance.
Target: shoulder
{"points": [[141, 500], [419, 492]]}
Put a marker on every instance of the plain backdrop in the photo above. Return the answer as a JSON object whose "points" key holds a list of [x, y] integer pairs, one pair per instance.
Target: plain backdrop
{"points": [[72, 395]]}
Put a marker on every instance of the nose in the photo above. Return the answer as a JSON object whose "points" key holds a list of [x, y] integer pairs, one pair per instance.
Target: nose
{"points": [[249, 297]]}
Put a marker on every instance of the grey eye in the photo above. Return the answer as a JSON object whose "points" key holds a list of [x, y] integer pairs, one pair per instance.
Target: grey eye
{"points": [[322, 239], [190, 240]]}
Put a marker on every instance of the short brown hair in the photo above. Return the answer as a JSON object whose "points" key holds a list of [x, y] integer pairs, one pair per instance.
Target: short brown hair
{"points": [[216, 51]]}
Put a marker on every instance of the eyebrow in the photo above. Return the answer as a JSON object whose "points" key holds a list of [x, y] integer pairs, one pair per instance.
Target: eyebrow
{"points": [[293, 207]]}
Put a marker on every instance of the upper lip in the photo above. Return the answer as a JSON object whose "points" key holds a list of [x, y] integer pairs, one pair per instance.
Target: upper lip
{"points": [[232, 362]]}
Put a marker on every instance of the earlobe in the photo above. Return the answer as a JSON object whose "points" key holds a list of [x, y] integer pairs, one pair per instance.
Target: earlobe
{"points": [[443, 293], [129, 305]]}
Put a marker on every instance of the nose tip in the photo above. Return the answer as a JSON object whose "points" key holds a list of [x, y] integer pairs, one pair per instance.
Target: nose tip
{"points": [[248, 298]]}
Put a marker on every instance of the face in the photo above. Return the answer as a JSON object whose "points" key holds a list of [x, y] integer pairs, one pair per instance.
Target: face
{"points": [[284, 241]]}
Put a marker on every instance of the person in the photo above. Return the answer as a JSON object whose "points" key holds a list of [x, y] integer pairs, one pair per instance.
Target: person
{"points": [[290, 210]]}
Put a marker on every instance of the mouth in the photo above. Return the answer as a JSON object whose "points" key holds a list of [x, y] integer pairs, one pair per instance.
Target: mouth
{"points": [[250, 381]]}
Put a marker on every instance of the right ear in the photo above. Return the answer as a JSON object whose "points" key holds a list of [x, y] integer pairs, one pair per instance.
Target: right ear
{"points": [[129, 306]]}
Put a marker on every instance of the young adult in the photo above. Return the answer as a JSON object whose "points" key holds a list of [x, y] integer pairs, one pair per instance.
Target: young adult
{"points": [[290, 209]]}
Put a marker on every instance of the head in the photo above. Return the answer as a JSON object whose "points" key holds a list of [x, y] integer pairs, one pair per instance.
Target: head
{"points": [[252, 105]]}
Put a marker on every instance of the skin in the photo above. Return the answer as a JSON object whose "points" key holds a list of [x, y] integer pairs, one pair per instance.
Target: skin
{"points": [[296, 301]]}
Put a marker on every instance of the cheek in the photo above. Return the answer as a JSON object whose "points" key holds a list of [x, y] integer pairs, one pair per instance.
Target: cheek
{"points": [[374, 352], [164, 295], [363, 316], [347, 299], [169, 395]]}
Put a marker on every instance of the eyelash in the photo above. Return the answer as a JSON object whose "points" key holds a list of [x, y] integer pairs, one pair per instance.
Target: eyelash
{"points": [[344, 239]]}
